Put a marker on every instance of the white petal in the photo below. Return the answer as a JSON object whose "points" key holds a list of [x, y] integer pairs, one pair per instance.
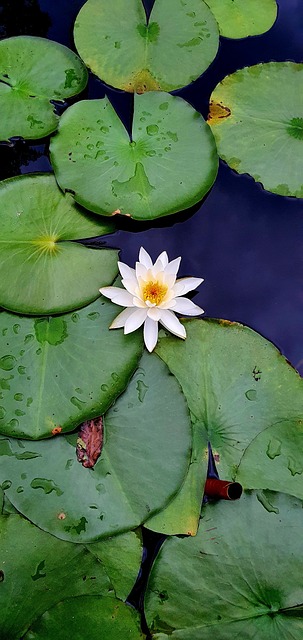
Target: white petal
{"points": [[126, 271], [170, 322], [154, 313], [110, 292], [141, 271], [145, 258], [163, 257], [120, 320], [168, 304], [157, 268], [150, 334], [122, 297], [183, 305], [135, 320], [184, 285], [173, 267], [131, 286], [138, 302]]}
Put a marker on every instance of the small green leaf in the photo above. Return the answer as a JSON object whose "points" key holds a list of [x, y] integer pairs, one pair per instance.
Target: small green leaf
{"points": [[168, 165], [242, 18], [259, 128], [142, 57], [34, 71]]}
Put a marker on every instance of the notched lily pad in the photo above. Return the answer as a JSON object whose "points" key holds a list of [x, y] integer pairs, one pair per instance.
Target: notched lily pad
{"points": [[142, 57], [259, 128], [242, 18], [56, 372], [34, 71], [149, 421], [240, 577], [42, 271], [168, 165]]}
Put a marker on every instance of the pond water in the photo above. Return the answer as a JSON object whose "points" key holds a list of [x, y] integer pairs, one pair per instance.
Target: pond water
{"points": [[245, 242]]}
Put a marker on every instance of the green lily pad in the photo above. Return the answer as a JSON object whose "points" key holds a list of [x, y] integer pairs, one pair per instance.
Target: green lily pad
{"points": [[146, 437], [181, 516], [38, 571], [171, 144], [121, 558], [240, 577], [56, 372], [142, 56], [242, 394], [34, 71], [42, 271], [259, 128], [90, 617], [242, 18]]}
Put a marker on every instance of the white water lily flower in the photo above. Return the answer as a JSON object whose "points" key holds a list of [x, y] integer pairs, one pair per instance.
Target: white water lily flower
{"points": [[152, 294]]}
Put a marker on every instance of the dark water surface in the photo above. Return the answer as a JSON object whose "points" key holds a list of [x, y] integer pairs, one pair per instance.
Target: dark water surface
{"points": [[246, 243]]}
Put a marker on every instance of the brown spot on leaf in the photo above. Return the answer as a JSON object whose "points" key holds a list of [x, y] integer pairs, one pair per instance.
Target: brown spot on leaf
{"points": [[217, 112], [89, 442]]}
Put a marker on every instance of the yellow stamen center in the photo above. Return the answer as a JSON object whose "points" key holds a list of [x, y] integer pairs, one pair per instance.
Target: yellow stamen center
{"points": [[154, 292]]}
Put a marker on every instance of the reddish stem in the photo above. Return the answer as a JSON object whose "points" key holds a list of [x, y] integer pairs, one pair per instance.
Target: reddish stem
{"points": [[222, 489]]}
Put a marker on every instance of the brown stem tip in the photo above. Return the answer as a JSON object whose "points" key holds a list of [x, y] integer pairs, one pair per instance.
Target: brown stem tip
{"points": [[222, 489]]}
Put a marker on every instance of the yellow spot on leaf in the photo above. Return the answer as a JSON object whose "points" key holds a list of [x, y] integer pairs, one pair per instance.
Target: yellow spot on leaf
{"points": [[217, 112]]}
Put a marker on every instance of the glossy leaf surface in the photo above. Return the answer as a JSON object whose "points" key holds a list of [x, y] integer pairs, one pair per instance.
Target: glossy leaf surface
{"points": [[240, 577], [90, 617], [242, 18], [34, 71], [245, 397], [259, 128], [38, 570], [149, 422], [168, 165], [42, 271], [56, 372], [119, 46]]}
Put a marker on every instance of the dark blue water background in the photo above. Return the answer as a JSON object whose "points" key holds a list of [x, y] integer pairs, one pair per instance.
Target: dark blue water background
{"points": [[246, 243]]}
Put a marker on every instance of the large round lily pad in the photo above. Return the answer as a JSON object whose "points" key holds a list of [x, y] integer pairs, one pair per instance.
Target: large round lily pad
{"points": [[143, 462], [242, 18], [240, 577], [56, 372], [116, 42], [168, 165], [88, 617], [258, 126], [38, 571], [34, 71], [42, 271], [245, 398]]}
